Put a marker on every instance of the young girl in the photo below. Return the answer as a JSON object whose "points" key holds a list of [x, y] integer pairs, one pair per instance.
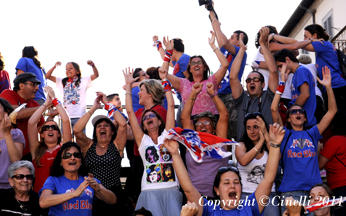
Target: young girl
{"points": [[73, 87]]}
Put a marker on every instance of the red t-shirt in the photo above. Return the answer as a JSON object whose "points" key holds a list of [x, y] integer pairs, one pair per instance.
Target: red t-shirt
{"points": [[158, 108], [14, 99], [43, 172], [336, 171]]}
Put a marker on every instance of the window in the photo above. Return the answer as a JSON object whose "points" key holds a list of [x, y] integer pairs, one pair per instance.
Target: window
{"points": [[328, 23]]}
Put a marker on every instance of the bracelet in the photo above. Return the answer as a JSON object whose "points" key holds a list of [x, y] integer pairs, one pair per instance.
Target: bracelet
{"points": [[255, 149], [92, 64], [130, 93], [275, 145], [56, 102], [212, 96], [281, 88], [166, 85], [90, 113], [215, 49], [168, 55], [45, 106]]}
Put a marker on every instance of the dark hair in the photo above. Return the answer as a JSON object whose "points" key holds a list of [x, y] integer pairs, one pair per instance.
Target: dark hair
{"points": [[153, 168], [280, 56], [112, 128], [7, 108], [76, 67], [57, 170], [136, 72], [261, 75], [329, 192], [272, 29], [153, 73], [163, 123], [166, 166], [42, 147], [288, 125], [206, 114], [206, 73], [31, 52], [245, 39], [142, 211], [111, 97], [2, 63], [154, 151], [217, 179], [246, 139], [319, 30], [178, 45]]}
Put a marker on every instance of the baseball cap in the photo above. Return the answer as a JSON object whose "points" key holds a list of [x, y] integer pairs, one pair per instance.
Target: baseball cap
{"points": [[27, 76]]}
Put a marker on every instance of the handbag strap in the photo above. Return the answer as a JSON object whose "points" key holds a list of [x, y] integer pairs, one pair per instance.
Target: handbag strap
{"points": [[340, 161]]}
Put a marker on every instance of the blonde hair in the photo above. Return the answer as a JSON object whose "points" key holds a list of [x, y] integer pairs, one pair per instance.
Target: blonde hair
{"points": [[155, 89]]}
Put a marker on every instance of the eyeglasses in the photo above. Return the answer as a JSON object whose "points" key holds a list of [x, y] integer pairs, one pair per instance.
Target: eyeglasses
{"points": [[255, 79], [151, 115], [68, 155], [231, 168], [21, 177], [47, 127], [206, 123], [32, 84], [254, 115], [294, 111], [196, 63]]}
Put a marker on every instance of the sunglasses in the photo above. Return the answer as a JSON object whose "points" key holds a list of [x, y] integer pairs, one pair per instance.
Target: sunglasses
{"points": [[68, 155], [226, 169], [47, 127], [21, 177], [196, 63], [151, 115], [255, 79], [255, 114], [206, 123], [294, 111]]}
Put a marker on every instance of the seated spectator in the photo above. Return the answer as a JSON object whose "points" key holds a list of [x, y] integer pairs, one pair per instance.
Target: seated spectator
{"points": [[299, 147], [205, 122], [12, 143], [5, 82], [70, 190], [227, 184], [45, 148], [252, 156], [20, 199], [24, 90]]}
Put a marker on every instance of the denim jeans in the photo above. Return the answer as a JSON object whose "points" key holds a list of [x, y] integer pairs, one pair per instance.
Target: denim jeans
{"points": [[73, 122], [301, 196], [272, 208]]}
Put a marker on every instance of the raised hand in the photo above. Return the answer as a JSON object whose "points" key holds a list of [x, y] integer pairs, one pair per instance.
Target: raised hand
{"points": [[128, 76], [189, 209], [155, 38], [211, 40], [172, 146], [50, 91], [57, 64], [327, 79], [97, 101], [89, 62], [264, 32], [92, 182], [52, 113], [6, 124], [163, 73], [210, 89], [103, 98], [276, 133], [197, 88], [260, 123], [284, 72], [168, 44], [241, 41]]}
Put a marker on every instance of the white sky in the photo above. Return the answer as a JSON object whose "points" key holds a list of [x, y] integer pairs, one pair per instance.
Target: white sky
{"points": [[118, 34]]}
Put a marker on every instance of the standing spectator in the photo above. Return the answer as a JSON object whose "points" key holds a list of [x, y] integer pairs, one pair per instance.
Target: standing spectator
{"points": [[73, 88], [30, 63], [4, 77], [25, 87]]}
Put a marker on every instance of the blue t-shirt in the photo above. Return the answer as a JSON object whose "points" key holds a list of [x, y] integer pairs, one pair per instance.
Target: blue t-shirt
{"points": [[28, 65], [181, 65], [81, 205], [300, 160], [328, 52], [248, 207], [301, 76], [225, 87]]}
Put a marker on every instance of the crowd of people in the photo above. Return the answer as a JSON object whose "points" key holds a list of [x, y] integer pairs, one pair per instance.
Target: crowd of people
{"points": [[287, 122]]}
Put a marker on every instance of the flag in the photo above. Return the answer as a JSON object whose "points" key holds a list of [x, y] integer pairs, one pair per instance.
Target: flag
{"points": [[324, 204], [201, 143]]}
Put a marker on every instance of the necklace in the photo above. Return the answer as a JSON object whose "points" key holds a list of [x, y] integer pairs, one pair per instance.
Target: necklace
{"points": [[22, 206], [103, 146]]}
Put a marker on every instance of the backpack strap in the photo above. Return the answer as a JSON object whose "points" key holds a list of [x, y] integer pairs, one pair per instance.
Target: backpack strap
{"points": [[340, 161]]}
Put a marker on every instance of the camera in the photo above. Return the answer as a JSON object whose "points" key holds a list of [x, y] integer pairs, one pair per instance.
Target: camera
{"points": [[208, 3]]}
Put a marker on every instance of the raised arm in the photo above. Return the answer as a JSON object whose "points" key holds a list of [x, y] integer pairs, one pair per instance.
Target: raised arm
{"points": [[96, 72], [188, 106], [14, 149], [160, 49], [136, 129], [234, 82], [293, 44], [276, 134], [221, 37], [269, 59], [175, 81], [49, 73], [100, 191], [332, 108], [220, 73], [222, 124], [190, 191]]}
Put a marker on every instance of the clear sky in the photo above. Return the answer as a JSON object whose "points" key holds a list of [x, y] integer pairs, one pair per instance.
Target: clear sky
{"points": [[118, 34]]}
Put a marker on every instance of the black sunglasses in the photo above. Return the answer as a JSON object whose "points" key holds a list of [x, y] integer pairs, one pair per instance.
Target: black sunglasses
{"points": [[22, 176], [230, 168], [294, 111], [47, 127], [68, 155], [255, 79]]}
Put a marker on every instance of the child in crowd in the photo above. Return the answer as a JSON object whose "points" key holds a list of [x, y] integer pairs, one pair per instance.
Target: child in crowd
{"points": [[73, 87]]}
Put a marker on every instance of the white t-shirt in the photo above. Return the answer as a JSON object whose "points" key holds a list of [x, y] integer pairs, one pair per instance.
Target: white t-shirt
{"points": [[313, 70], [253, 173], [158, 164], [74, 98]]}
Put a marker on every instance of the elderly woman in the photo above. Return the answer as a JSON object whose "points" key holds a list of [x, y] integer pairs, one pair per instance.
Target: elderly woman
{"points": [[12, 142], [159, 195], [198, 71], [44, 149], [20, 199], [69, 190], [103, 153], [205, 122]]}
